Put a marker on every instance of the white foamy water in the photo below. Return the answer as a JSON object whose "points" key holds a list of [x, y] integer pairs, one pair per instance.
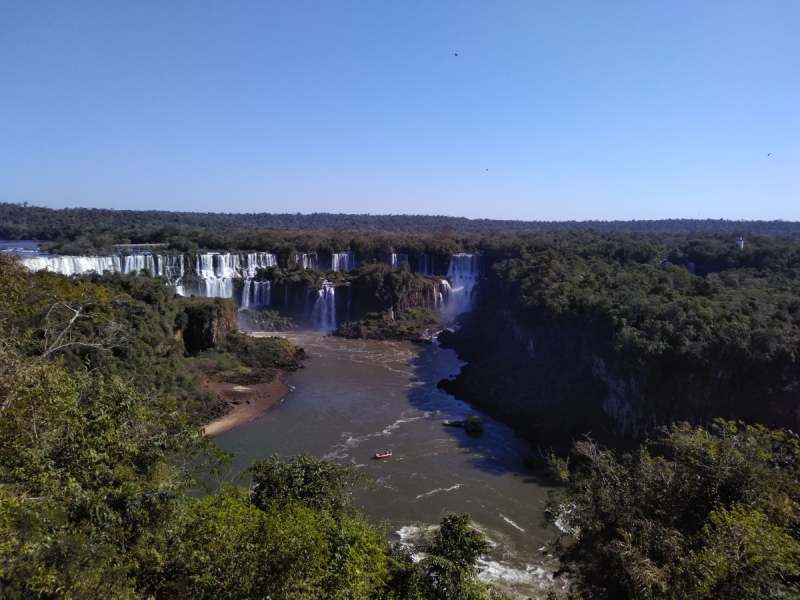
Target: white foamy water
{"points": [[437, 490], [510, 522], [356, 397]]}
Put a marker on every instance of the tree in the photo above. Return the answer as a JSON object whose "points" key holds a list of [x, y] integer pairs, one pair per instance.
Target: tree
{"points": [[713, 515]]}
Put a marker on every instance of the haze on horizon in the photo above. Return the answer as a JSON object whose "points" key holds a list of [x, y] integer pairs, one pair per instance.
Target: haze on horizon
{"points": [[551, 111]]}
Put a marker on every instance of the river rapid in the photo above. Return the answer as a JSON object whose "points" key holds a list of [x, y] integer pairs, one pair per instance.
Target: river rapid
{"points": [[356, 397]]}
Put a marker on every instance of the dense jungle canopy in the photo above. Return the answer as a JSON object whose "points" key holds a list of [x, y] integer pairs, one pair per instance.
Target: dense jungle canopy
{"points": [[624, 334]]}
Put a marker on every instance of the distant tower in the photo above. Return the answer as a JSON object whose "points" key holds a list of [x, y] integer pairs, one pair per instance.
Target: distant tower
{"points": [[740, 242]]}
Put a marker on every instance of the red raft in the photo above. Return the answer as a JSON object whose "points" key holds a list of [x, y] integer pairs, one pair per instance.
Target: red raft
{"points": [[383, 454]]}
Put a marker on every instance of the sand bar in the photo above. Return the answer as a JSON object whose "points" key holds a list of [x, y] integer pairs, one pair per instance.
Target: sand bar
{"points": [[247, 401]]}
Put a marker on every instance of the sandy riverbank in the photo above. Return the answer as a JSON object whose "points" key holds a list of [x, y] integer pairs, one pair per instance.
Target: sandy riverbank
{"points": [[246, 401]]}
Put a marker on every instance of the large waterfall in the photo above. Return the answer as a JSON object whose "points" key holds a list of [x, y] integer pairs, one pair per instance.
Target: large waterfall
{"points": [[344, 261], [464, 272], [215, 273], [425, 266], [73, 265], [324, 314], [167, 266]]}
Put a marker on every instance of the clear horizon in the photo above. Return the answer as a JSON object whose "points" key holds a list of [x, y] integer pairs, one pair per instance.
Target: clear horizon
{"points": [[552, 111]]}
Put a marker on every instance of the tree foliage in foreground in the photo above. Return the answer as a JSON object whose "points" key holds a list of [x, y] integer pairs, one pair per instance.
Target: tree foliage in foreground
{"points": [[99, 496], [695, 514]]}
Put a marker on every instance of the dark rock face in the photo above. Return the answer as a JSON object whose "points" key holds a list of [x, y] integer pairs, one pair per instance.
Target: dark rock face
{"points": [[556, 380], [208, 321]]}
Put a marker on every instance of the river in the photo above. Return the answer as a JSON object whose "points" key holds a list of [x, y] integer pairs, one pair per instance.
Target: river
{"points": [[358, 396]]}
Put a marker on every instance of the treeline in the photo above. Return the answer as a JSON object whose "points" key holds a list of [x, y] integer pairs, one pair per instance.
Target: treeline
{"points": [[18, 221]]}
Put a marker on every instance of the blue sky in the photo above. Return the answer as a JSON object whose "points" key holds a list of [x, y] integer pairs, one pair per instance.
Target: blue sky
{"points": [[579, 109]]}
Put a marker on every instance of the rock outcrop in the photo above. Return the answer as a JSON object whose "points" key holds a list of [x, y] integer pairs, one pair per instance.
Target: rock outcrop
{"points": [[208, 321]]}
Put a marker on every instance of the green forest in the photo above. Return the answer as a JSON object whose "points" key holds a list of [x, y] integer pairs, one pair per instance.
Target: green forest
{"points": [[97, 230], [655, 369]]}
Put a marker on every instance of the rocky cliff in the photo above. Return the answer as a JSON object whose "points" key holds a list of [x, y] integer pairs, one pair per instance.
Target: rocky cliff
{"points": [[559, 378], [207, 321]]}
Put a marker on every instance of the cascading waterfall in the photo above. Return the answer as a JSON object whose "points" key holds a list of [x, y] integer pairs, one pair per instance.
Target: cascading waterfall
{"points": [[217, 274], [324, 313], [256, 294], [251, 263], [139, 262], [464, 272], [167, 266], [396, 259], [309, 261], [391, 306], [425, 266], [217, 266], [442, 294], [73, 265], [344, 261]]}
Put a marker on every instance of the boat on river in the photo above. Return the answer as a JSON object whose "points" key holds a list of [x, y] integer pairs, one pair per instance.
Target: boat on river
{"points": [[453, 422], [383, 453]]}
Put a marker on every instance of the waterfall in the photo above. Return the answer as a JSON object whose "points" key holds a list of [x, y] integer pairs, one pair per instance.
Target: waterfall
{"points": [[251, 263], [396, 259], [215, 272], [309, 261], [425, 266], [167, 266], [464, 272], [218, 272], [344, 261], [212, 265], [256, 294], [213, 288], [247, 295], [324, 314], [73, 265], [441, 293], [391, 306], [138, 262]]}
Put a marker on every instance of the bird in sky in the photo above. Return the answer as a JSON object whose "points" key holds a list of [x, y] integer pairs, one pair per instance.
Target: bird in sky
{"points": [[487, 169], [770, 154], [456, 53]]}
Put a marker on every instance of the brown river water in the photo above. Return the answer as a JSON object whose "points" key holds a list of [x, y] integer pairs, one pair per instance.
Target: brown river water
{"points": [[356, 397]]}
